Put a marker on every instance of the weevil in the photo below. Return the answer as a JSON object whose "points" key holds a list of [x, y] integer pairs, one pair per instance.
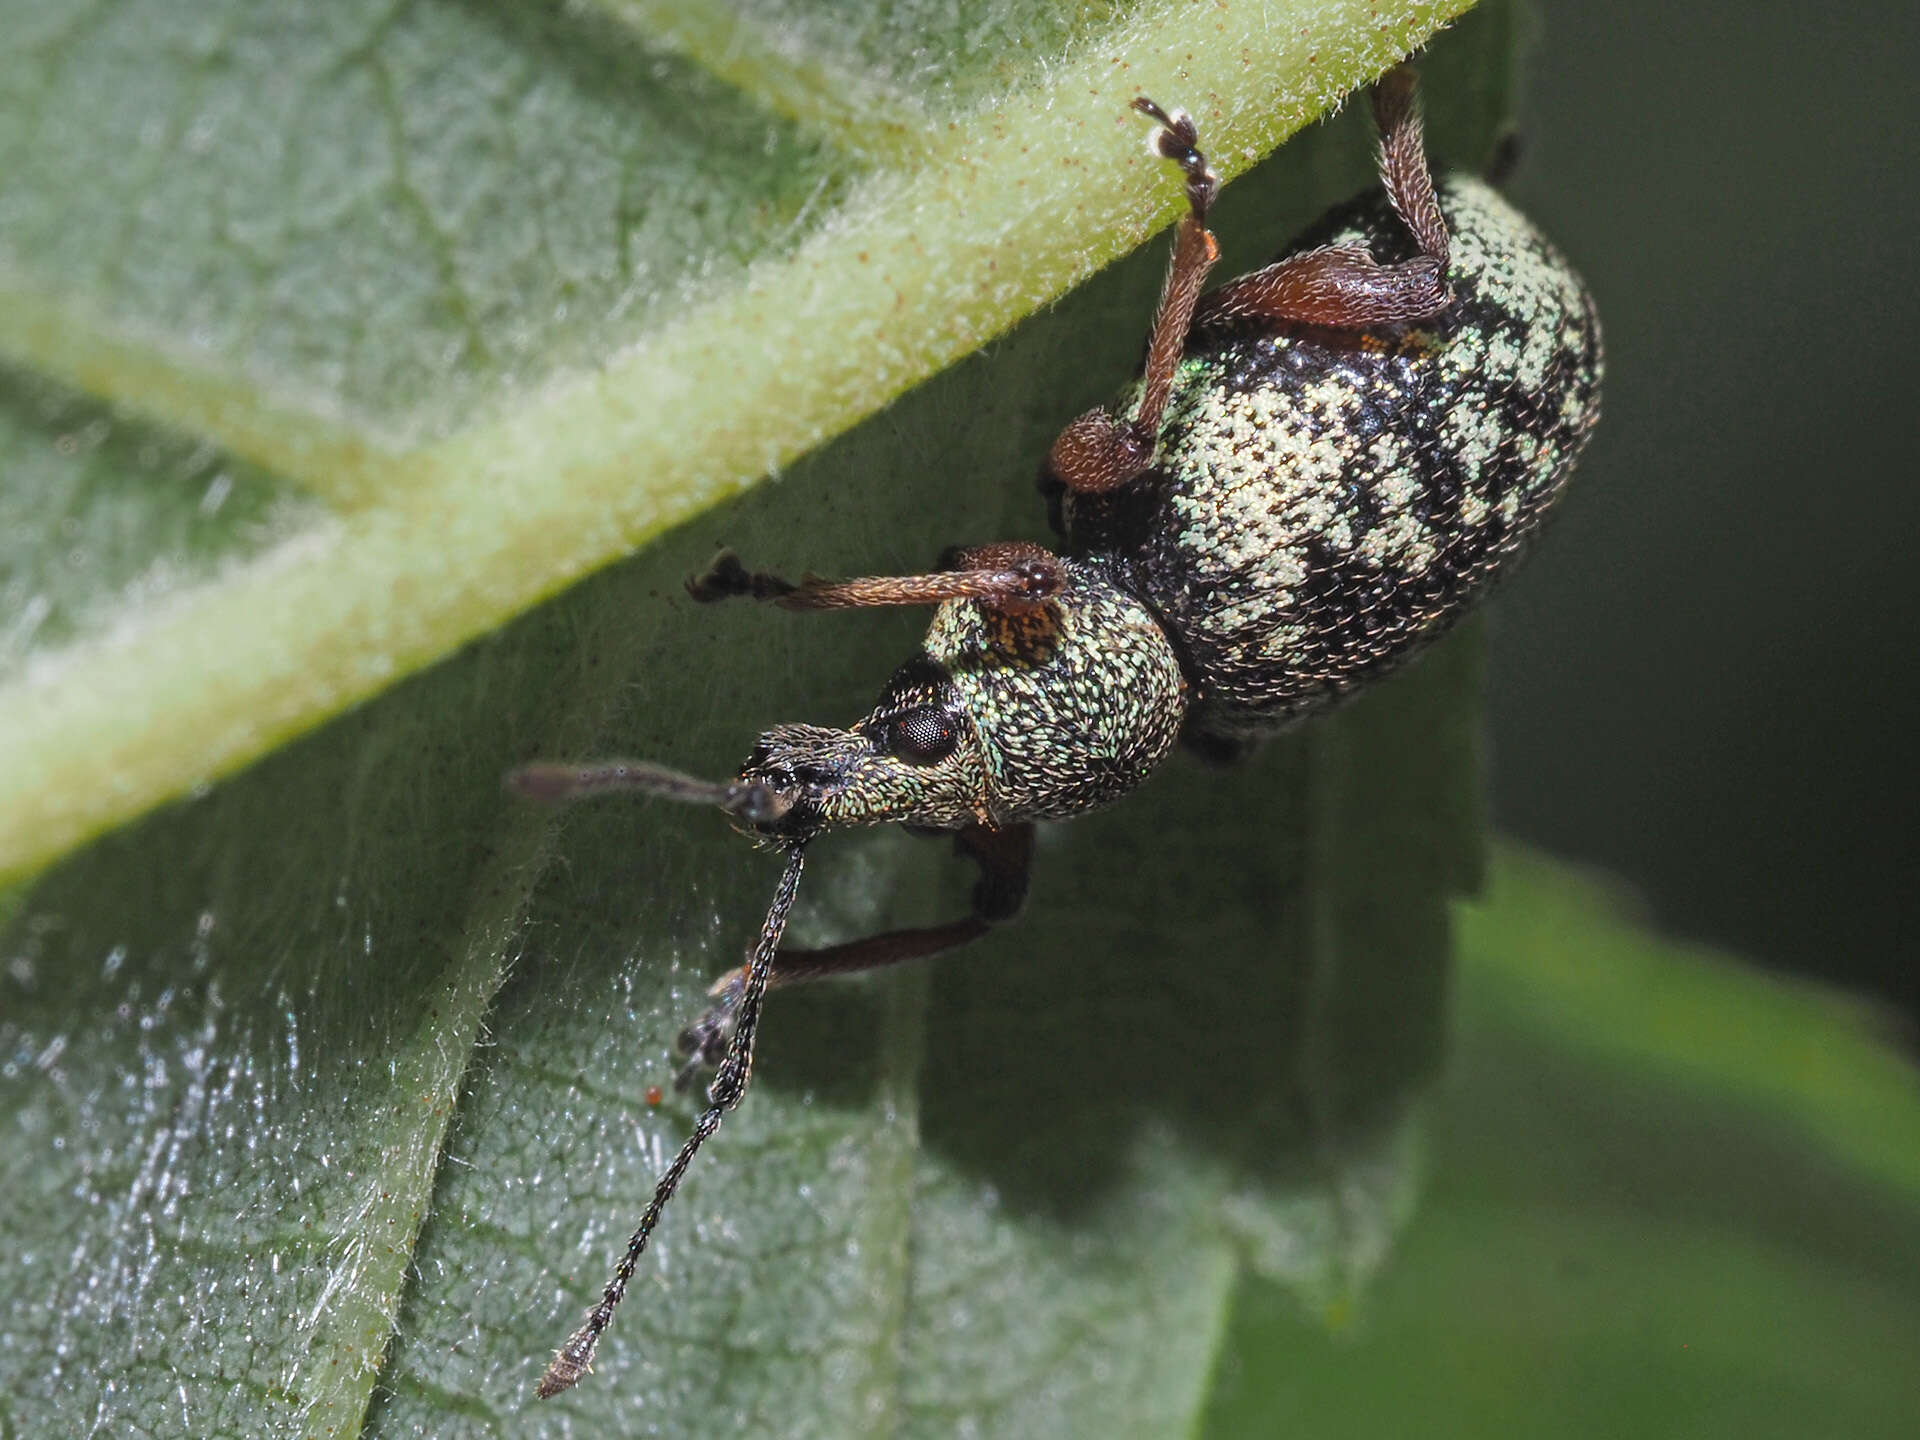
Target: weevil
{"points": [[1324, 464]]}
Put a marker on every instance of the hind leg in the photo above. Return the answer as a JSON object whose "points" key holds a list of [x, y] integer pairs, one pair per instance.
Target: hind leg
{"points": [[1004, 856], [1342, 286]]}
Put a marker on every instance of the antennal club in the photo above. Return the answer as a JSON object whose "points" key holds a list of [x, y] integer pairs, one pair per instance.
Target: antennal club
{"points": [[575, 1358]]}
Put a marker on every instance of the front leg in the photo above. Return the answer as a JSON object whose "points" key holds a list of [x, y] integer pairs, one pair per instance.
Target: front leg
{"points": [[1005, 858], [1014, 574]]}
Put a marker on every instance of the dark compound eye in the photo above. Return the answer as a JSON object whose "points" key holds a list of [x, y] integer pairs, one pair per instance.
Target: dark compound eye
{"points": [[924, 735]]}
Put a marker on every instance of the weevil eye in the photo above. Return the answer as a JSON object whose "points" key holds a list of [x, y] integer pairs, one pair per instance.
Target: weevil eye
{"points": [[924, 735]]}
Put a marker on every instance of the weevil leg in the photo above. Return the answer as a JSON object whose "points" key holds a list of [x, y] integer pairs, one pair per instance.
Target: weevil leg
{"points": [[1342, 286], [1403, 161], [1014, 574], [1102, 451], [1005, 858]]}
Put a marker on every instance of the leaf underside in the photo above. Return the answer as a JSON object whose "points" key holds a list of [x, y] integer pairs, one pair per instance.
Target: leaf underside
{"points": [[331, 342], [334, 343], [325, 1093]]}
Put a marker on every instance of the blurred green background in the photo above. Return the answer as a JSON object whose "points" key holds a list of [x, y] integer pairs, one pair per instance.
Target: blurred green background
{"points": [[1702, 685], [1704, 682]]}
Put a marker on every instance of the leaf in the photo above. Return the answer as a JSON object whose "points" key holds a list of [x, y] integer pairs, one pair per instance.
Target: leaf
{"points": [[468, 301], [324, 1095], [1668, 1196]]}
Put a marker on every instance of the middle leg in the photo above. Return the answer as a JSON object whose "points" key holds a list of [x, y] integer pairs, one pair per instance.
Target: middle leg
{"points": [[1102, 451], [1005, 857]]}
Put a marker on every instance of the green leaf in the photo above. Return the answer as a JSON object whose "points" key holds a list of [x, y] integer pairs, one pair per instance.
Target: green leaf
{"points": [[323, 1097], [239, 1037], [436, 307], [1667, 1196]]}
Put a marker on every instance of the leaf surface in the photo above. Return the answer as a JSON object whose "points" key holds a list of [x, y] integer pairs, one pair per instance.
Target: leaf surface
{"points": [[1668, 1196], [324, 1095], [431, 308]]}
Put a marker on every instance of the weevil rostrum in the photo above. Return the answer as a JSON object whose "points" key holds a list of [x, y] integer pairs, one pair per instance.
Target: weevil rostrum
{"points": [[1325, 463]]}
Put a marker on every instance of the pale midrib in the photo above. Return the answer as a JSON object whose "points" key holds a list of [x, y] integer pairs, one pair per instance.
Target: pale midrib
{"points": [[429, 1072], [351, 1336], [916, 271], [892, 1182]]}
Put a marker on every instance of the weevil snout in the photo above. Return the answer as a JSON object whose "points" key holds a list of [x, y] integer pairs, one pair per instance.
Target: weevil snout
{"points": [[802, 758], [805, 766]]}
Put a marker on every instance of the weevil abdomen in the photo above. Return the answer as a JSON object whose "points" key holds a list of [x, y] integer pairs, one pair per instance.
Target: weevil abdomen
{"points": [[1321, 504]]}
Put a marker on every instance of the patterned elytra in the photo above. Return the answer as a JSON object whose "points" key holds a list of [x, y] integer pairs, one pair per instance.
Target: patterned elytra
{"points": [[1323, 504]]}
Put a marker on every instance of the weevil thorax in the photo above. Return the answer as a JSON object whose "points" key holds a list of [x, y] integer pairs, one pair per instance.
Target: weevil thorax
{"points": [[1003, 717], [1072, 703]]}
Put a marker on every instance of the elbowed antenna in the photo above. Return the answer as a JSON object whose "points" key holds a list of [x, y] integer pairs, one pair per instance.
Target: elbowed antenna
{"points": [[575, 1358], [751, 800]]}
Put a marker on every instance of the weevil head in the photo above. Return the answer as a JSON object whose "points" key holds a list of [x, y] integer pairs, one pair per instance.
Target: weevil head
{"points": [[1005, 716], [915, 758]]}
